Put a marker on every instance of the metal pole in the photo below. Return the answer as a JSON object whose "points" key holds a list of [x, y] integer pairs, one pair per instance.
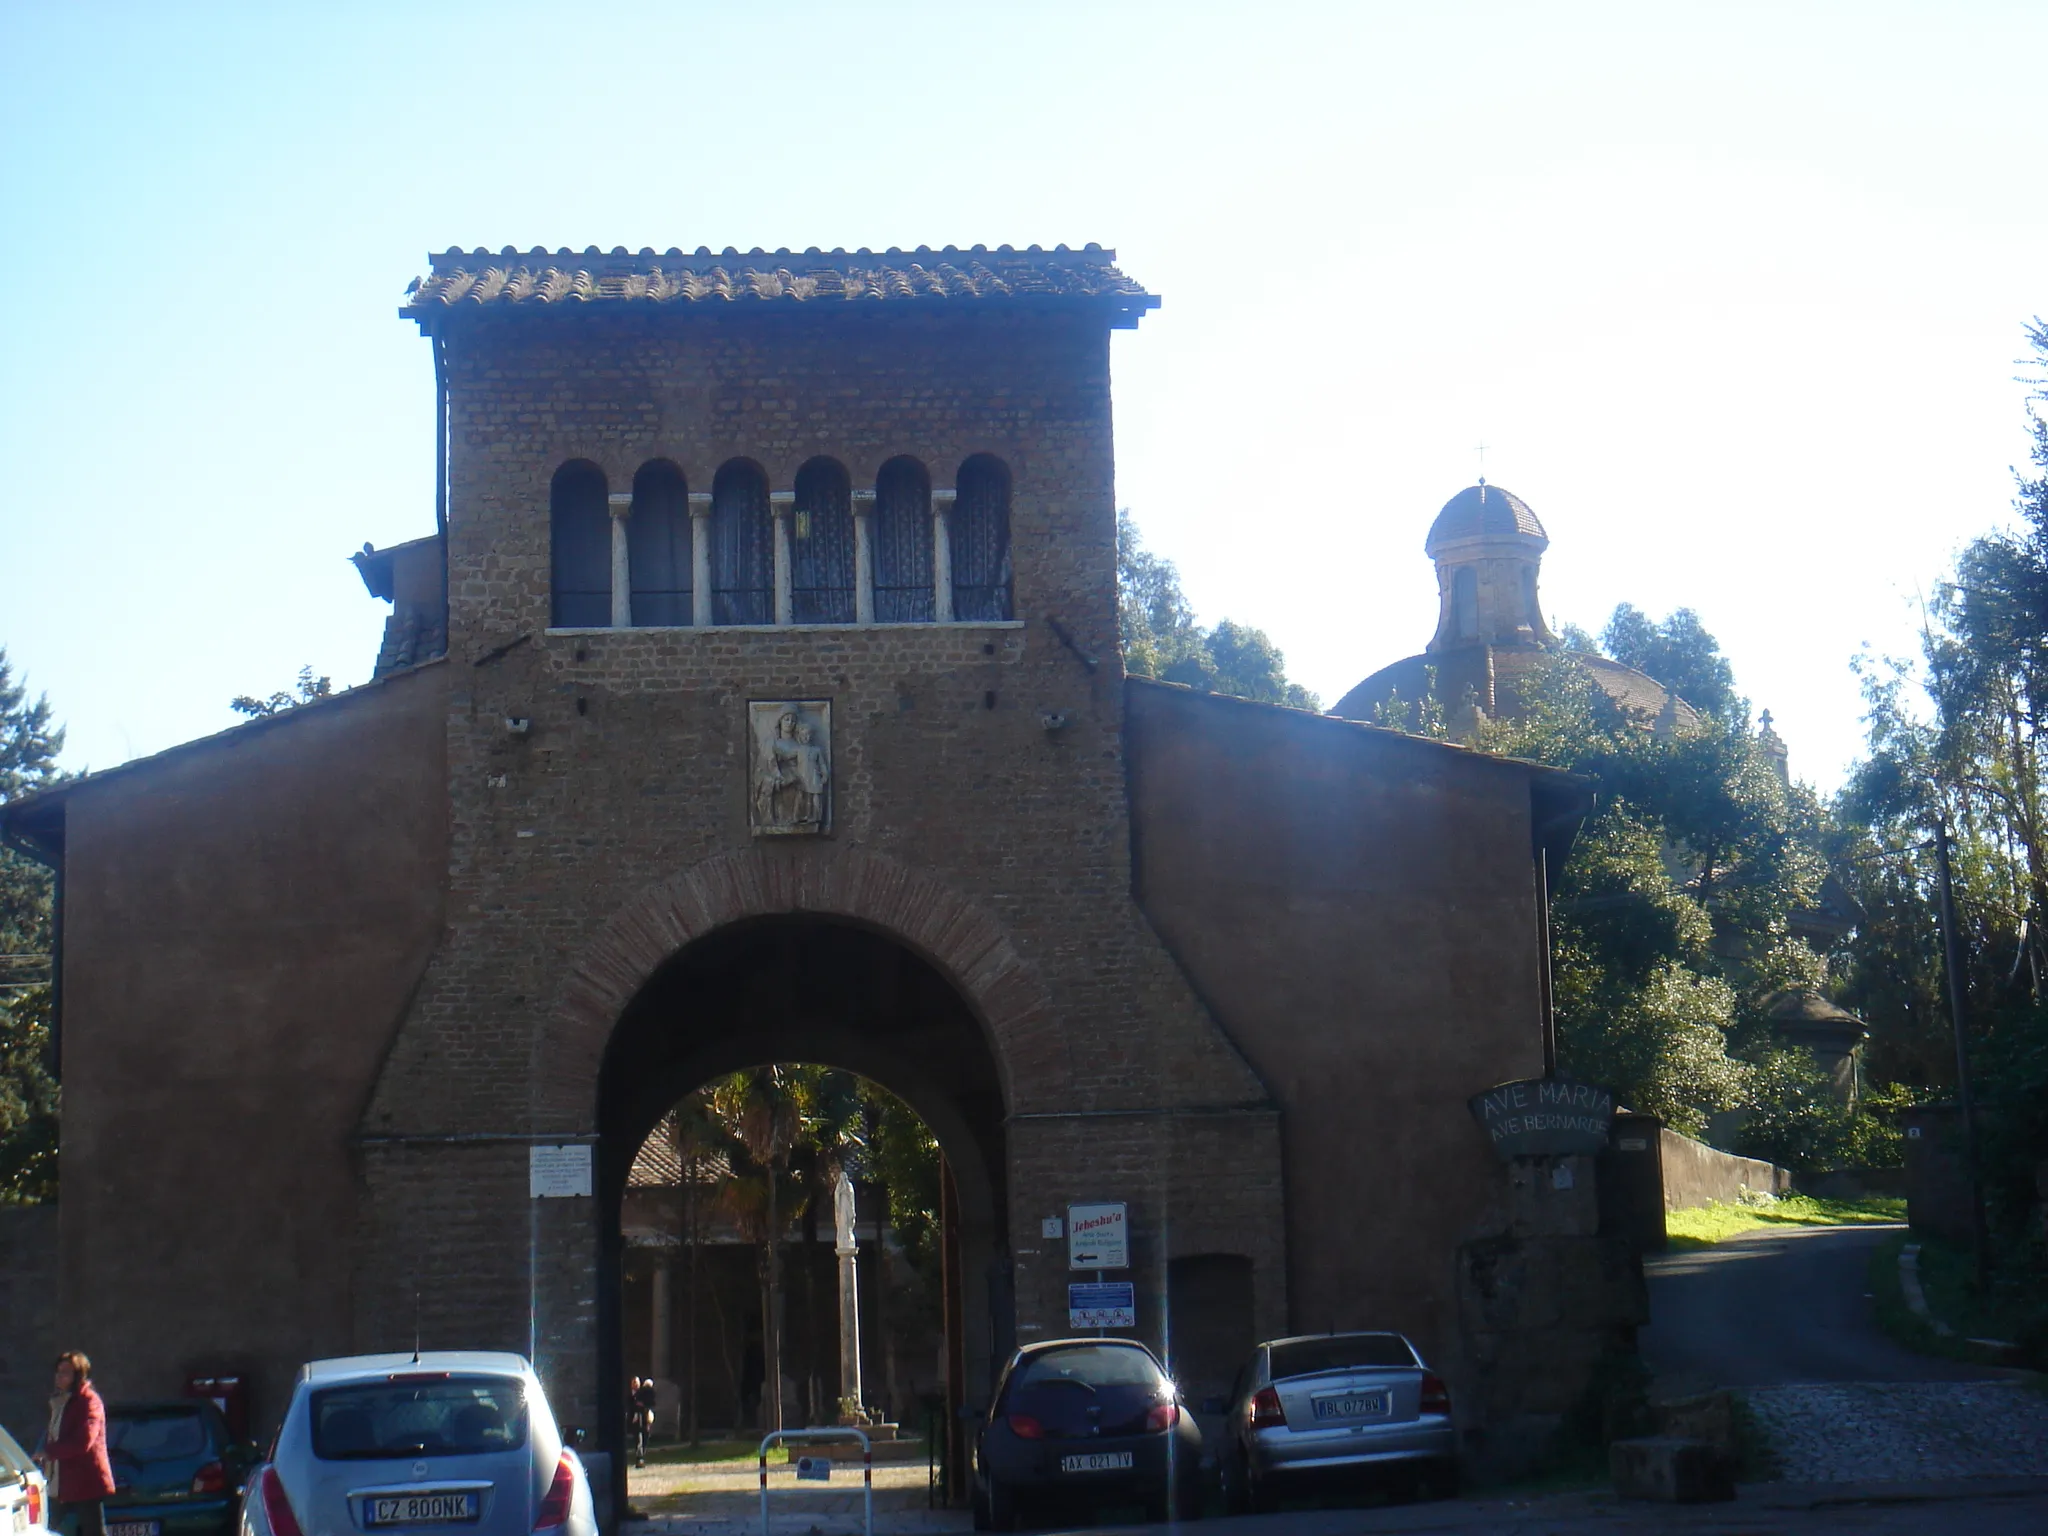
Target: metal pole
{"points": [[1549, 1002], [1952, 960], [788, 1436]]}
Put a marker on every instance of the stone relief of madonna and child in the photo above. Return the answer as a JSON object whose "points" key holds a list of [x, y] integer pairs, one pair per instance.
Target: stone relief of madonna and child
{"points": [[791, 743]]}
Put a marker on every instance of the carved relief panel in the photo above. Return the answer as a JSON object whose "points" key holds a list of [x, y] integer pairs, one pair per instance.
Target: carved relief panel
{"points": [[790, 766]]}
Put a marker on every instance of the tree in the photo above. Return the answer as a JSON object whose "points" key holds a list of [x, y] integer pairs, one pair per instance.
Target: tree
{"points": [[1161, 638], [1671, 919], [1680, 654], [29, 745], [1956, 737], [309, 689]]}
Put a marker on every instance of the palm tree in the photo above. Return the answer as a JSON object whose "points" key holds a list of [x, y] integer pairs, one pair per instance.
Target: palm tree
{"points": [[760, 1108]]}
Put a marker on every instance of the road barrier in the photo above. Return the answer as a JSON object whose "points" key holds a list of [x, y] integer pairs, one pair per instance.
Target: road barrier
{"points": [[809, 1436]]}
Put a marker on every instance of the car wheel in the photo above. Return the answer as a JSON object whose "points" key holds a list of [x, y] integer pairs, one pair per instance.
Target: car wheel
{"points": [[1000, 1505], [1262, 1499], [1231, 1475]]}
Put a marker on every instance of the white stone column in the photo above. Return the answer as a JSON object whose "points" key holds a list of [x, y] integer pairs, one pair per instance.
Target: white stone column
{"points": [[658, 1343], [849, 1297], [781, 508], [700, 558], [863, 558], [622, 561], [942, 555]]}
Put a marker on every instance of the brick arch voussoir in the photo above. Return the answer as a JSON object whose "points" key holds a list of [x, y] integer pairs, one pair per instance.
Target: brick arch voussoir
{"points": [[965, 941]]}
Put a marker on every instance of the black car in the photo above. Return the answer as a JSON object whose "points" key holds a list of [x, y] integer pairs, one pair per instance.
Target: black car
{"points": [[1085, 1423]]}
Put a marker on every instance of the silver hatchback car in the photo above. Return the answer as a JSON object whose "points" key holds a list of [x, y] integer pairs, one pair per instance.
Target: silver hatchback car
{"points": [[448, 1442], [1336, 1408]]}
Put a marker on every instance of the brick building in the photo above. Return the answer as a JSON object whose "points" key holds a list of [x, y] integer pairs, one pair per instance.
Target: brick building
{"points": [[757, 698]]}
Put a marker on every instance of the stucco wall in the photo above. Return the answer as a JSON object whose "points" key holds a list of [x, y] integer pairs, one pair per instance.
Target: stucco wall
{"points": [[28, 1317], [1358, 909], [1695, 1173], [243, 922]]}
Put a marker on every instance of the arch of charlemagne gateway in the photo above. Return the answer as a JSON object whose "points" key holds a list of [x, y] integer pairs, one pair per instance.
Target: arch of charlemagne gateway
{"points": [[757, 696]]}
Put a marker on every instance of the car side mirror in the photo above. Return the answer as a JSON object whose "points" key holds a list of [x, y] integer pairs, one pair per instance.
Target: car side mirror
{"points": [[1215, 1405]]}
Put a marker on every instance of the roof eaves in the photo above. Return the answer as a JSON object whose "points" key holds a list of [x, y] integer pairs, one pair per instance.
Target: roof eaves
{"points": [[22, 809], [1233, 701]]}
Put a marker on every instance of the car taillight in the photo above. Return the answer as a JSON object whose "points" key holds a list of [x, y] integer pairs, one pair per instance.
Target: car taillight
{"points": [[1162, 1416], [35, 1504], [211, 1478], [1025, 1427], [554, 1509], [277, 1509], [1436, 1397], [1266, 1410]]}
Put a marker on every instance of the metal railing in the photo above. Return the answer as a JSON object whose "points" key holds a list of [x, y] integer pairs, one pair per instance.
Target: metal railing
{"points": [[867, 1464]]}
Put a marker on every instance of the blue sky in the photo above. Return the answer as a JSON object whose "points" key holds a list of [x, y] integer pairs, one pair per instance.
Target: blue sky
{"points": [[1732, 292]]}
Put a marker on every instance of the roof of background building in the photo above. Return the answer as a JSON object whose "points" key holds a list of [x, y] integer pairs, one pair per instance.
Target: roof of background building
{"points": [[538, 278], [1483, 511]]}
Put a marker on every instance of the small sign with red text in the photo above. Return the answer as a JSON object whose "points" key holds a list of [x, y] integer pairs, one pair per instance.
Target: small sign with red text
{"points": [[1099, 1236]]}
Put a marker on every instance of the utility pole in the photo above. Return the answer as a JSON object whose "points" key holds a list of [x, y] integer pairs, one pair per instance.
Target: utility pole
{"points": [[1952, 960]]}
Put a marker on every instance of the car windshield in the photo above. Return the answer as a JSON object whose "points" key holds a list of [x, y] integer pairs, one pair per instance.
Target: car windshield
{"points": [[1341, 1352], [14, 1462], [145, 1435], [419, 1416]]}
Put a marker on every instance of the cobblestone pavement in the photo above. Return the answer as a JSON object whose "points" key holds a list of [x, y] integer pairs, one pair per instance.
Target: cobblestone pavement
{"points": [[1902, 1431]]}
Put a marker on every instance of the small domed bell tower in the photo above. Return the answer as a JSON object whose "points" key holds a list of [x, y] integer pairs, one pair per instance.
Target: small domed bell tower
{"points": [[1488, 548]]}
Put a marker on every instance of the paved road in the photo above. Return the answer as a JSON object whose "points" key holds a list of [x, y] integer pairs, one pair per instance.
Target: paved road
{"points": [[1777, 1307], [2006, 1507]]}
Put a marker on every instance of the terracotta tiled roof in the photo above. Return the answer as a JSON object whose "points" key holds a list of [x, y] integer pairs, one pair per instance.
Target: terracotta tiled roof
{"points": [[537, 278], [1483, 511], [659, 1165]]}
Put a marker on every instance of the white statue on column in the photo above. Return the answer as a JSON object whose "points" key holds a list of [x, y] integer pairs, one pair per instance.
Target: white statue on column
{"points": [[850, 1409]]}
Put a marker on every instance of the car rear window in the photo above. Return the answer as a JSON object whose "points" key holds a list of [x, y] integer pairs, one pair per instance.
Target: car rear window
{"points": [[1341, 1352], [1099, 1365], [144, 1435], [440, 1416], [14, 1462], [1087, 1389]]}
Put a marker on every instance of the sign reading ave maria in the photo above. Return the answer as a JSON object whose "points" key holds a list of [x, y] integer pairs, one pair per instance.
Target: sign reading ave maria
{"points": [[1545, 1117], [1099, 1236]]}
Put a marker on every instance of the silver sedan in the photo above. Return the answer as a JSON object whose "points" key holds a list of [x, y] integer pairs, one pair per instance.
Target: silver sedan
{"points": [[451, 1442], [1335, 1408]]}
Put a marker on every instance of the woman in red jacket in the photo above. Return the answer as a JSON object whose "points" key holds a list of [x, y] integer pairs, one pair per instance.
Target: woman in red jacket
{"points": [[75, 1449]]}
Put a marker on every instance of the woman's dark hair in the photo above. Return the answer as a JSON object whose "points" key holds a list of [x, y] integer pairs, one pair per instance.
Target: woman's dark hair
{"points": [[81, 1368]]}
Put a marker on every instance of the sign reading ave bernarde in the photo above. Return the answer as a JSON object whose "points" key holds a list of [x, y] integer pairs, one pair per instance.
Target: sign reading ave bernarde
{"points": [[1545, 1117]]}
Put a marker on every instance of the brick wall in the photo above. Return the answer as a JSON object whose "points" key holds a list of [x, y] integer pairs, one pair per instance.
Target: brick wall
{"points": [[962, 825]]}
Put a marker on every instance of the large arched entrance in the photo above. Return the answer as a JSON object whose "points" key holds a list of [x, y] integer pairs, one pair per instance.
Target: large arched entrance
{"points": [[805, 987]]}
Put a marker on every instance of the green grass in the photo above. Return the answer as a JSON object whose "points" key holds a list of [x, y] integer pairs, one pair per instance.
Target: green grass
{"points": [[2012, 1310], [1713, 1223], [711, 1452]]}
